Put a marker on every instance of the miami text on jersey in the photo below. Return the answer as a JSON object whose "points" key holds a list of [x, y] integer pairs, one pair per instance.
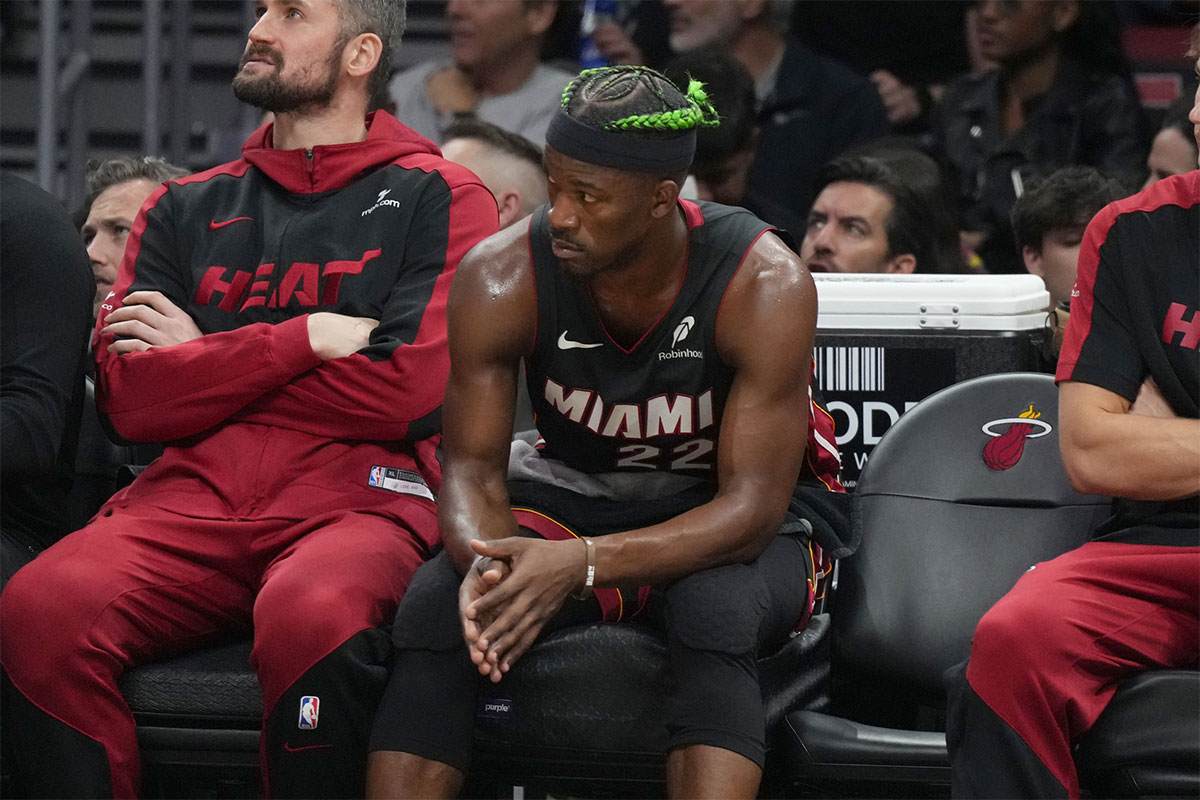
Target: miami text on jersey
{"points": [[663, 415]]}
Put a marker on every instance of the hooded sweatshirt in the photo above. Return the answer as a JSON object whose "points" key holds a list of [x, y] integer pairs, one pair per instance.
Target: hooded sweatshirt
{"points": [[249, 249]]}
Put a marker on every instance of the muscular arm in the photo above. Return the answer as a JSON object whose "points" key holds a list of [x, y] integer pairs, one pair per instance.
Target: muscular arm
{"points": [[1110, 449], [492, 312]]}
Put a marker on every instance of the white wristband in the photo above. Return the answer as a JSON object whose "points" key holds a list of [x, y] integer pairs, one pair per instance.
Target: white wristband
{"points": [[590, 579]]}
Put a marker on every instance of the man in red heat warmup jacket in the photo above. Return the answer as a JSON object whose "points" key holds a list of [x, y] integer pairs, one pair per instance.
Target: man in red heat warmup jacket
{"points": [[279, 321]]}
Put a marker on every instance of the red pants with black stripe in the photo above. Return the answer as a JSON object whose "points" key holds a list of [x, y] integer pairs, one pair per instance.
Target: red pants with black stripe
{"points": [[1046, 659], [169, 563]]}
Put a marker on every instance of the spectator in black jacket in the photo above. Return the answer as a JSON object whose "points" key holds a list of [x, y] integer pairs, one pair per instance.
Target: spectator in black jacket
{"points": [[1059, 96], [810, 108], [44, 322], [725, 154]]}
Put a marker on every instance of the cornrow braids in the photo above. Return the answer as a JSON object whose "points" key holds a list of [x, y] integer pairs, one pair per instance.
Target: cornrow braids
{"points": [[638, 99]]}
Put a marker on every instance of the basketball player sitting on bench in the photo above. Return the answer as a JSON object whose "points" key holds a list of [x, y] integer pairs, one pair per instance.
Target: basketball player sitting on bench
{"points": [[668, 349]]}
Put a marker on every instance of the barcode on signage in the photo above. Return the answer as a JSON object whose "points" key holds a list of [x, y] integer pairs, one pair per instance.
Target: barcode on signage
{"points": [[850, 369]]}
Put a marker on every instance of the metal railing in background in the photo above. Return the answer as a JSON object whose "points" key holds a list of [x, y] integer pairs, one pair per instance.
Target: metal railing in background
{"points": [[63, 88], [63, 72], [151, 75], [47, 132], [181, 70], [74, 94]]}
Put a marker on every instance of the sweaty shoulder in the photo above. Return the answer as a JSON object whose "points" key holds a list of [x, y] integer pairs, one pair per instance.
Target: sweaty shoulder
{"points": [[772, 266], [772, 295], [493, 294], [499, 265]]}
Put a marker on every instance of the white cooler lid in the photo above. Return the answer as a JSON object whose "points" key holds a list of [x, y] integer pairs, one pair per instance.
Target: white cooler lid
{"points": [[937, 302]]}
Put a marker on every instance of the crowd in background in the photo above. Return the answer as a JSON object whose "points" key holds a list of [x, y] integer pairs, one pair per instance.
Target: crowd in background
{"points": [[977, 137], [998, 95]]}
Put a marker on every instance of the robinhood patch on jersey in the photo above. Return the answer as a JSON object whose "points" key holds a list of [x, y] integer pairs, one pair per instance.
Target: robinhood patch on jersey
{"points": [[401, 481]]}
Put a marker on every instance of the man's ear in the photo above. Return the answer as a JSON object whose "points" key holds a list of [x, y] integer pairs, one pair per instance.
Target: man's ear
{"points": [[509, 204], [1033, 261], [362, 54], [666, 193], [904, 264], [539, 16]]}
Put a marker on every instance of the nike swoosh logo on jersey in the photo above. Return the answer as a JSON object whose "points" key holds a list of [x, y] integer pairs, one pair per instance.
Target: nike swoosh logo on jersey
{"points": [[566, 344], [212, 226], [288, 747]]}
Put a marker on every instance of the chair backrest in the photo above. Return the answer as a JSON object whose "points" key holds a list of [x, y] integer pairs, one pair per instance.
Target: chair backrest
{"points": [[959, 498]]}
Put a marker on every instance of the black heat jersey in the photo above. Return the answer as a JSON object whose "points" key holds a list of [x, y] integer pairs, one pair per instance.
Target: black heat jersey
{"points": [[1135, 312], [654, 406]]}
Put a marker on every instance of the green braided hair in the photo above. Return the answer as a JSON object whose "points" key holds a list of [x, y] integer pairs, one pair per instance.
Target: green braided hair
{"points": [[638, 99]]}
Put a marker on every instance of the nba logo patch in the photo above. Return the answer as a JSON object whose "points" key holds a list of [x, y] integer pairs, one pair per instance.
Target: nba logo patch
{"points": [[308, 713], [377, 476]]}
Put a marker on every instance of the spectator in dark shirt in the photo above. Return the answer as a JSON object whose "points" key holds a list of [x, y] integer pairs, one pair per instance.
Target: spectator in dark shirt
{"points": [[47, 291], [1059, 96], [810, 108], [910, 57], [725, 154], [116, 190]]}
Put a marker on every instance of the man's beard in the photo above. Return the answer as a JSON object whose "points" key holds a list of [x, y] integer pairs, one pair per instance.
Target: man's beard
{"points": [[271, 93]]}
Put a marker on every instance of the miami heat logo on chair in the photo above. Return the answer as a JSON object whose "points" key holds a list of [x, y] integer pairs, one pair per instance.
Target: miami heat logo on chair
{"points": [[1005, 448]]}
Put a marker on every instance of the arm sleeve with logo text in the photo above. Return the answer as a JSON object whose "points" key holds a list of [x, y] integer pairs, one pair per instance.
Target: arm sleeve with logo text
{"points": [[168, 393], [393, 388]]}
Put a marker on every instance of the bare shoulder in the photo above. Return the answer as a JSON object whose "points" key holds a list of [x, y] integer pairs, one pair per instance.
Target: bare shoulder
{"points": [[773, 263], [497, 265], [493, 294], [772, 288]]}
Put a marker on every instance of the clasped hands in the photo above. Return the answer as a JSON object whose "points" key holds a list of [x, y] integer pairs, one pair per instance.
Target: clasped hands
{"points": [[514, 587]]}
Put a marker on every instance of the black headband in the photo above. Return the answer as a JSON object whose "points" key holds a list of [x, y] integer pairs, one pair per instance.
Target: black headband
{"points": [[618, 149]]}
